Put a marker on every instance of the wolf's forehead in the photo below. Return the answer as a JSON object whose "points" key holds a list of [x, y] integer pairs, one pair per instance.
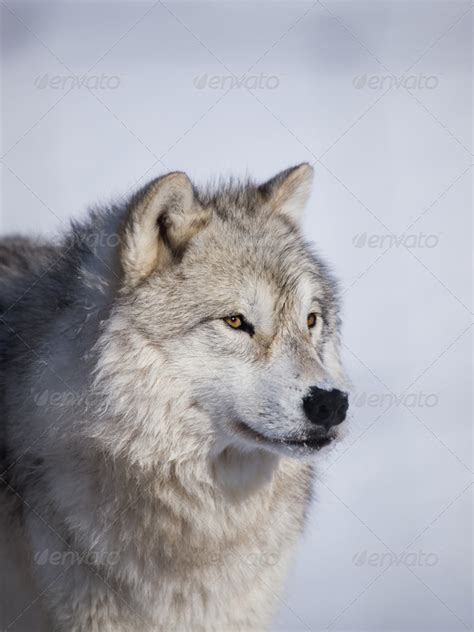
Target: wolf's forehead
{"points": [[265, 297], [261, 302], [264, 267]]}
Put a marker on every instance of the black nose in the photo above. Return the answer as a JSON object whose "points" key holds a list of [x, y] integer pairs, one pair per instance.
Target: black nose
{"points": [[325, 408]]}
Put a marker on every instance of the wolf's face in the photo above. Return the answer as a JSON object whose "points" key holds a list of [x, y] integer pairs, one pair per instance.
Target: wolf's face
{"points": [[242, 317]]}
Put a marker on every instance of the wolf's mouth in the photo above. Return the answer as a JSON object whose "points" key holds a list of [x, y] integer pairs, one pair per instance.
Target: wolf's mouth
{"points": [[314, 442]]}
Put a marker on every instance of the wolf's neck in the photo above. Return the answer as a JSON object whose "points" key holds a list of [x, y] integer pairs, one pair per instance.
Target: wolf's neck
{"points": [[185, 512], [93, 246], [231, 478]]}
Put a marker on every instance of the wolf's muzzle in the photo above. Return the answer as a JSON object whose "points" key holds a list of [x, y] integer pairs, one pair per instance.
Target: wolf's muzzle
{"points": [[325, 408]]}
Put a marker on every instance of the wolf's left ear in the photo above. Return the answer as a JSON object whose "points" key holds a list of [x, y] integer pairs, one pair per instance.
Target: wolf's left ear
{"points": [[162, 218], [288, 192]]}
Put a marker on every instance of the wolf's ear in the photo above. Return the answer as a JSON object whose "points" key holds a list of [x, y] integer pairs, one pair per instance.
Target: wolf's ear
{"points": [[289, 191], [162, 219]]}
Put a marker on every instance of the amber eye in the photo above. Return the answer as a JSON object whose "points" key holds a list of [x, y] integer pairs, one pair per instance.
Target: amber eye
{"points": [[312, 320], [235, 322]]}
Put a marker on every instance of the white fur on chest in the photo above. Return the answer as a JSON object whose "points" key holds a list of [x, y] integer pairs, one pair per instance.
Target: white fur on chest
{"points": [[224, 564], [193, 552]]}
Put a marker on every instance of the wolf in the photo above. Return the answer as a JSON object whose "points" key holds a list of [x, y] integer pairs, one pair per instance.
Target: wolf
{"points": [[169, 371]]}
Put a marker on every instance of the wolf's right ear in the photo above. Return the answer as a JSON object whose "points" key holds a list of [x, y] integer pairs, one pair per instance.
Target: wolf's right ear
{"points": [[162, 219], [288, 192]]}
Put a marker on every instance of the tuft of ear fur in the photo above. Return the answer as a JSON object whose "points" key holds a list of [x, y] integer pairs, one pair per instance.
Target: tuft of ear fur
{"points": [[162, 218], [288, 192]]}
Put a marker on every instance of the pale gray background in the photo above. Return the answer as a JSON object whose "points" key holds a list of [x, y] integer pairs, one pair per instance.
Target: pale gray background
{"points": [[389, 541]]}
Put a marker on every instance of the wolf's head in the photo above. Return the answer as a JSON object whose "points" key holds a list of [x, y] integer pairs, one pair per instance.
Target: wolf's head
{"points": [[226, 328]]}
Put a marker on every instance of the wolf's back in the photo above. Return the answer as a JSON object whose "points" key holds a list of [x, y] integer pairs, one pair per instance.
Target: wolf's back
{"points": [[23, 264]]}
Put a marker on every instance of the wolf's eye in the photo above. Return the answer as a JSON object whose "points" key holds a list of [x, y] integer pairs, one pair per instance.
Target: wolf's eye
{"points": [[235, 322], [312, 320]]}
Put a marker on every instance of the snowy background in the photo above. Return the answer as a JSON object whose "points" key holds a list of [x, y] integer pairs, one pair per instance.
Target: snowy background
{"points": [[99, 97]]}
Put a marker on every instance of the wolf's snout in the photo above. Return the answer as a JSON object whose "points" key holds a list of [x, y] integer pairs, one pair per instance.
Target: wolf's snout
{"points": [[325, 408]]}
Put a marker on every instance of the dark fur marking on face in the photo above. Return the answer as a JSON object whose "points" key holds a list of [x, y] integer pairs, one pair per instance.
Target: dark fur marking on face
{"points": [[247, 327]]}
